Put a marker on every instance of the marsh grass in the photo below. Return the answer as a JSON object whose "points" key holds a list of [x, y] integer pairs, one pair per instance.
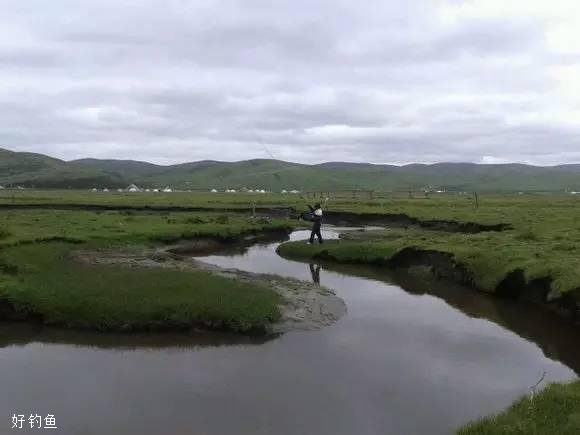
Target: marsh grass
{"points": [[44, 280], [489, 257], [120, 227], [555, 410], [38, 275]]}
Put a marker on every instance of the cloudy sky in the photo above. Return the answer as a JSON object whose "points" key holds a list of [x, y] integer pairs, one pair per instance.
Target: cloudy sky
{"points": [[383, 81]]}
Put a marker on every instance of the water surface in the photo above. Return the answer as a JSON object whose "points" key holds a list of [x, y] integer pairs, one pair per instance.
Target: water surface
{"points": [[418, 361]]}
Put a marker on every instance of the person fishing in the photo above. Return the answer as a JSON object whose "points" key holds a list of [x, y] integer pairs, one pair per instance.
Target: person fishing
{"points": [[316, 217]]}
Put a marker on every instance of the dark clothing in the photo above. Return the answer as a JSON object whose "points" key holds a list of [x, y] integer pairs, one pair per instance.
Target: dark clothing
{"points": [[316, 232], [317, 219]]}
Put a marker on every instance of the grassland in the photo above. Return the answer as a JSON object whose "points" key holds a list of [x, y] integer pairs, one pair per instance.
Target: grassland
{"points": [[122, 227], [520, 210], [51, 285], [41, 279], [556, 410], [39, 274], [489, 257], [543, 242]]}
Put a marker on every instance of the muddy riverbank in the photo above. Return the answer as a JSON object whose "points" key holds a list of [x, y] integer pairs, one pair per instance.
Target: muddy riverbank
{"points": [[305, 306], [443, 266]]}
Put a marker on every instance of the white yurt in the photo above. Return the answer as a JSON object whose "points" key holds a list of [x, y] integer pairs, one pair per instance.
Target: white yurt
{"points": [[132, 188], [168, 189]]}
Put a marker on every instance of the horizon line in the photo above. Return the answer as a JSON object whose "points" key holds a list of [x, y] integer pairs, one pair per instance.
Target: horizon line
{"points": [[400, 165]]}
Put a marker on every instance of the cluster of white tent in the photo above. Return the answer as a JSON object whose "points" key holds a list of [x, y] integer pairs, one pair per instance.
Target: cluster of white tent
{"points": [[133, 188]]}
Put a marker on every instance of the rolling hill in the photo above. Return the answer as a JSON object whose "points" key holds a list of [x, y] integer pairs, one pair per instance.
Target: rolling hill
{"points": [[40, 171]]}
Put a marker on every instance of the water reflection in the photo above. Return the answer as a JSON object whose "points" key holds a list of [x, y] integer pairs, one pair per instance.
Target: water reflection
{"points": [[315, 272], [557, 338], [21, 334]]}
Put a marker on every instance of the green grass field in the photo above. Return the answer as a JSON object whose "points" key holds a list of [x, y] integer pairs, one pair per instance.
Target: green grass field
{"points": [[123, 226], [40, 277], [488, 256], [38, 271], [544, 239], [555, 410], [48, 282]]}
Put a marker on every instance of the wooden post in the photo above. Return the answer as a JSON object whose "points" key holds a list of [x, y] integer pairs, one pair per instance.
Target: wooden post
{"points": [[476, 199]]}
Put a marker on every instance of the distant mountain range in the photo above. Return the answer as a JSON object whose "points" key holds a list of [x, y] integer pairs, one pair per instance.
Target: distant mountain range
{"points": [[40, 171]]}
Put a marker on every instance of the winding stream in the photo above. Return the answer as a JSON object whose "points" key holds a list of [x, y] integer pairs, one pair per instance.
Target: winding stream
{"points": [[423, 360]]}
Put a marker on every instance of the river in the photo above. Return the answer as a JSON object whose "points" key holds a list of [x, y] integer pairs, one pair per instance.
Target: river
{"points": [[409, 357]]}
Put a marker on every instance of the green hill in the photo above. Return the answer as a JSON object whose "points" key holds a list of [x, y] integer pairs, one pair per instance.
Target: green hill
{"points": [[37, 170]]}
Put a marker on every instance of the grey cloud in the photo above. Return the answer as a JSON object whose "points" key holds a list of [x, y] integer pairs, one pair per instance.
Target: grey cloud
{"points": [[314, 81]]}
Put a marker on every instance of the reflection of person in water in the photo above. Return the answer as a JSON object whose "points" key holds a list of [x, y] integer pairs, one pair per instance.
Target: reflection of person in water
{"points": [[315, 272]]}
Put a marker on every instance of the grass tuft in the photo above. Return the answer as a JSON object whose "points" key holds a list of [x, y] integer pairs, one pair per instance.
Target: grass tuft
{"points": [[555, 410]]}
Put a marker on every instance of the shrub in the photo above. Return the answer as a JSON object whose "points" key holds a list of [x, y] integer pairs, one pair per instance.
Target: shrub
{"points": [[527, 236], [196, 220], [222, 220]]}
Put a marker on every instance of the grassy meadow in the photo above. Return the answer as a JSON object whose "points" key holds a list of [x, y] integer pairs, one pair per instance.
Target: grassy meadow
{"points": [[39, 274], [543, 242], [544, 239], [555, 410], [41, 278]]}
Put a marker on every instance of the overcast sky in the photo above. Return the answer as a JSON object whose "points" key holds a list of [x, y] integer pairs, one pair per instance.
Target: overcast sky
{"points": [[300, 80]]}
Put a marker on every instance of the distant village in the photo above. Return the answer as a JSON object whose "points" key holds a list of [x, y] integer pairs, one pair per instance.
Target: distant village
{"points": [[133, 188]]}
